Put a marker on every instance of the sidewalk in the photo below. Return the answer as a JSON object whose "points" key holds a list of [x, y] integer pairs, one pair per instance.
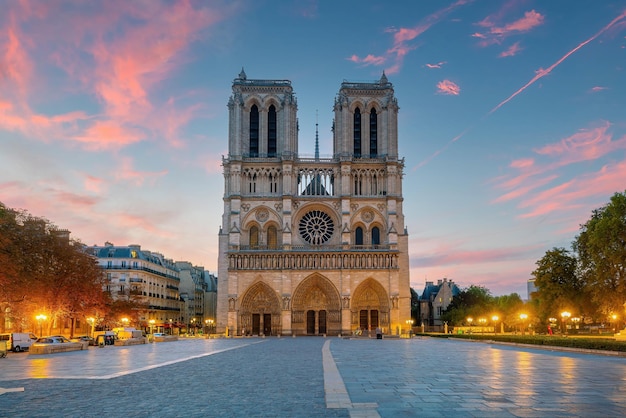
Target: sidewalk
{"points": [[313, 377]]}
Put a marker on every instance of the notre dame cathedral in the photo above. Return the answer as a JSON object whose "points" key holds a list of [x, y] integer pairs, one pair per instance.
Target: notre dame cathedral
{"points": [[312, 246]]}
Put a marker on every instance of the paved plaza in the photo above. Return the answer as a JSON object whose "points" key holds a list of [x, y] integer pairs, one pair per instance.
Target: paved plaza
{"points": [[313, 377]]}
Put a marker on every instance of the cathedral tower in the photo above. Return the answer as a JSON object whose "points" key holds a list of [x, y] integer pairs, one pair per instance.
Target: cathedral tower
{"points": [[312, 246]]}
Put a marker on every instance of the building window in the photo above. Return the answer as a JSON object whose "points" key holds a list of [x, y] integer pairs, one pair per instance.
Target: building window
{"points": [[254, 131], [373, 134], [254, 237], [271, 132], [375, 236], [357, 133], [272, 238], [123, 264], [109, 264], [358, 236]]}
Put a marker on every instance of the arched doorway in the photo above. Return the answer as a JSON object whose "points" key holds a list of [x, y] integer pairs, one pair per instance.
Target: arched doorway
{"points": [[316, 307], [370, 307], [259, 313]]}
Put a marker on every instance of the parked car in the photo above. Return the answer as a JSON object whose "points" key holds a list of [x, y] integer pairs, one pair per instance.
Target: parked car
{"points": [[17, 341], [56, 343], [86, 338]]}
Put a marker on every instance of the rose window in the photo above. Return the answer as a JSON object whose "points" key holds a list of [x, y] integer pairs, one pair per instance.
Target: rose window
{"points": [[316, 227]]}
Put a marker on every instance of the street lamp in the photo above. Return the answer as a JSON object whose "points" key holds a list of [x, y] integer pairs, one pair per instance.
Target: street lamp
{"points": [[495, 323], [564, 317], [92, 322], [191, 323], [482, 322], [40, 318], [469, 321], [210, 321], [409, 323], [523, 317], [614, 317], [124, 321], [152, 321], [576, 320]]}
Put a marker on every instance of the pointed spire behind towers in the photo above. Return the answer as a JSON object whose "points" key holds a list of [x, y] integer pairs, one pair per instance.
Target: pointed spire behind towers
{"points": [[317, 141]]}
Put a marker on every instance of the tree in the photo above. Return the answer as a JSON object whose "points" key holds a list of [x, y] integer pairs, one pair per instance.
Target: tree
{"points": [[474, 301], [44, 271], [558, 286], [601, 248]]}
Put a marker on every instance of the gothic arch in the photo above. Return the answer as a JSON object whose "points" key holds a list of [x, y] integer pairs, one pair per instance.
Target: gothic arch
{"points": [[370, 298], [258, 301], [316, 294]]}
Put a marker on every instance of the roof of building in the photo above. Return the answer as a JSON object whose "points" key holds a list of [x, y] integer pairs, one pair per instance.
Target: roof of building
{"points": [[431, 289]]}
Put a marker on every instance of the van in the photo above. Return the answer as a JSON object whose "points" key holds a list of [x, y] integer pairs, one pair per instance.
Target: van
{"points": [[17, 341]]}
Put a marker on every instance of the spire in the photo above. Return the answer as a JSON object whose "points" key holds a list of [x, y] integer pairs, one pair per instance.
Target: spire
{"points": [[317, 141], [242, 74], [383, 78]]}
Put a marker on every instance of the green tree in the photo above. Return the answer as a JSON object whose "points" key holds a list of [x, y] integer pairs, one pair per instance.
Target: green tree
{"points": [[601, 248], [475, 301], [558, 285]]}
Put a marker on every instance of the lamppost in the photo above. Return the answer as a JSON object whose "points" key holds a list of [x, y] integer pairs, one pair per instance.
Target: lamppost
{"points": [[469, 321], [124, 322], [152, 321], [523, 317], [564, 317], [191, 323], [210, 322], [614, 317], [495, 323], [576, 320], [482, 322], [40, 318], [409, 323], [92, 322]]}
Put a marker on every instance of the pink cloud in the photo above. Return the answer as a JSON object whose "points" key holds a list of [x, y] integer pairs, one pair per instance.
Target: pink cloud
{"points": [[511, 51], [368, 60], [448, 87], [496, 33], [121, 67], [107, 135], [597, 89], [126, 172], [523, 163], [537, 187], [438, 65], [541, 72], [403, 36]]}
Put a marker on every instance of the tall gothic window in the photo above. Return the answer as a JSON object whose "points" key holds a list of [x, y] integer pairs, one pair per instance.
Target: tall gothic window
{"points": [[271, 132], [272, 238], [357, 133], [375, 236], [254, 131], [373, 134], [358, 236], [254, 237]]}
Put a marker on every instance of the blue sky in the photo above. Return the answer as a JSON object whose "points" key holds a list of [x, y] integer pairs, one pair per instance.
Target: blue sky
{"points": [[113, 117]]}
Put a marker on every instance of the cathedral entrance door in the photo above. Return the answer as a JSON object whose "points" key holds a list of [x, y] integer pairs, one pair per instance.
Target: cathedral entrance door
{"points": [[363, 320], [322, 322], [267, 324], [310, 322], [256, 324], [374, 318]]}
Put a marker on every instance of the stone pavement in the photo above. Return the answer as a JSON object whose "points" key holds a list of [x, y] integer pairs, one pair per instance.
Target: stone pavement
{"points": [[313, 377]]}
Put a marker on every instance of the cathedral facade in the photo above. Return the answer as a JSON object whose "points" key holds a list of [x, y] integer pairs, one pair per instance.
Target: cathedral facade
{"points": [[312, 246]]}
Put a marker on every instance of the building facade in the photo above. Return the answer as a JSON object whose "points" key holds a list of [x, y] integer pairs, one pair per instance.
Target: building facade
{"points": [[312, 246], [435, 300], [145, 277]]}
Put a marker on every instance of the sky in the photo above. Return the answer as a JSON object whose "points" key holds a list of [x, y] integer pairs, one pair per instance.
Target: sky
{"points": [[512, 121]]}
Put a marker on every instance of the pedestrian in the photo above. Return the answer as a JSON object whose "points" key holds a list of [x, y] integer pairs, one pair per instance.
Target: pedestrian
{"points": [[379, 333], [549, 330]]}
